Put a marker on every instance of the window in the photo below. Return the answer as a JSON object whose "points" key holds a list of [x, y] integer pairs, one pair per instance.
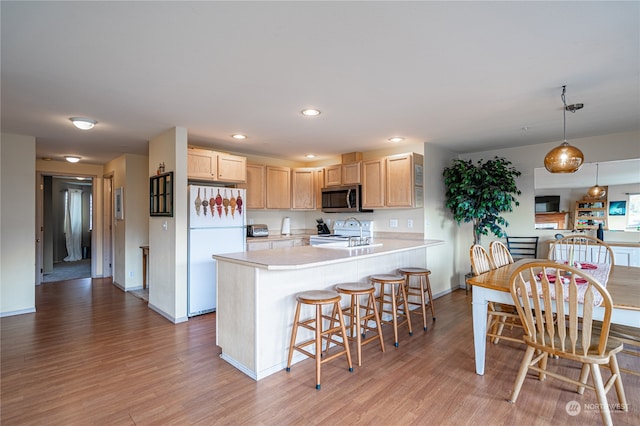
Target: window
{"points": [[633, 212]]}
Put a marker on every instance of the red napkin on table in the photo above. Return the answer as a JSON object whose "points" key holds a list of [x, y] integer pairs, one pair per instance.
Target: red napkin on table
{"points": [[552, 279], [588, 266]]}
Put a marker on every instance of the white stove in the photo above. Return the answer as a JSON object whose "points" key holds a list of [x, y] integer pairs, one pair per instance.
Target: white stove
{"points": [[352, 231]]}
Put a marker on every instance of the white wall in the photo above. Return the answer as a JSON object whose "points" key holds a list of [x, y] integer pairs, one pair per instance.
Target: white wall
{"points": [[17, 224], [130, 173], [438, 223], [618, 146], [168, 247]]}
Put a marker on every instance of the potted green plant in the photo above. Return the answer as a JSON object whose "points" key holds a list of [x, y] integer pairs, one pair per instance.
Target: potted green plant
{"points": [[480, 192]]}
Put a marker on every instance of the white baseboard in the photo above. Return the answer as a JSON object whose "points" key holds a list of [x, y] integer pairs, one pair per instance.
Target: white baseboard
{"points": [[18, 312], [166, 315]]}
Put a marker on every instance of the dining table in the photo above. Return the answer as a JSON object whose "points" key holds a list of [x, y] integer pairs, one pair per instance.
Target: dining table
{"points": [[623, 284]]}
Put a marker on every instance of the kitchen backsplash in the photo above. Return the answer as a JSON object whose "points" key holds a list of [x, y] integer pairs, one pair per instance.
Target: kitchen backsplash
{"points": [[304, 220]]}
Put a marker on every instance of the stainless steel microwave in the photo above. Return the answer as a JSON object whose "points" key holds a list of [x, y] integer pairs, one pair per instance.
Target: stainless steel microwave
{"points": [[342, 199]]}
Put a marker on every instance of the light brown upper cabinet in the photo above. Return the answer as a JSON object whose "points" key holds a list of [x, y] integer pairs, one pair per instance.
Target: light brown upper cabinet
{"points": [[404, 180], [304, 188], [373, 183], [256, 186], [394, 181], [232, 168], [342, 174], [204, 164], [278, 187], [333, 175]]}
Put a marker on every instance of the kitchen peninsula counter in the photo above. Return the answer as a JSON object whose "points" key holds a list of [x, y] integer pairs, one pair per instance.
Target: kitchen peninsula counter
{"points": [[257, 293]]}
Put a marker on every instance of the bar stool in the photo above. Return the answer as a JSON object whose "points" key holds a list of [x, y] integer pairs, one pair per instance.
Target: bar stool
{"points": [[393, 293], [356, 319], [319, 298], [425, 287]]}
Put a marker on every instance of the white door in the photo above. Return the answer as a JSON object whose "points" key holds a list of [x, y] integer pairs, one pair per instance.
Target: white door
{"points": [[107, 235]]}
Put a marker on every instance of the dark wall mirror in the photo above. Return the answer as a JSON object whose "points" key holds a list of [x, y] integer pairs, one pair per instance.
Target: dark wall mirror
{"points": [[560, 201]]}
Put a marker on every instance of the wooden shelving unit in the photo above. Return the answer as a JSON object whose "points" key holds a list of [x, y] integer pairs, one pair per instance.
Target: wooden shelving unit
{"points": [[590, 212]]}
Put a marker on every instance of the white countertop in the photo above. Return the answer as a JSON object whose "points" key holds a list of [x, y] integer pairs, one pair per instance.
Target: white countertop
{"points": [[309, 256]]}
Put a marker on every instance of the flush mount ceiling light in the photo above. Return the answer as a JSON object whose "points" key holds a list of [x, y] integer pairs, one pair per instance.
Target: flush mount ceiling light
{"points": [[83, 123], [596, 191], [239, 136], [310, 112], [564, 158], [396, 139], [310, 156], [72, 158]]}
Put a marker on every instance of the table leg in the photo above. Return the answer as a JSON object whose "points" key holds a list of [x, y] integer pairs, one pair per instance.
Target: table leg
{"points": [[479, 303]]}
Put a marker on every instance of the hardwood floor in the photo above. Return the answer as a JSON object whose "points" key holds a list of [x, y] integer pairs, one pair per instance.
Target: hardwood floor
{"points": [[92, 354]]}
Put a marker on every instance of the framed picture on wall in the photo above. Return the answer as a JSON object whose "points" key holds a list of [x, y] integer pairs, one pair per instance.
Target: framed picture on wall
{"points": [[118, 203], [617, 208]]}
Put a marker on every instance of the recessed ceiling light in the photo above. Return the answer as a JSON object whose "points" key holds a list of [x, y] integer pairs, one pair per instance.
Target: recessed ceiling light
{"points": [[396, 139], [83, 123], [239, 136], [310, 156], [72, 158], [310, 112]]}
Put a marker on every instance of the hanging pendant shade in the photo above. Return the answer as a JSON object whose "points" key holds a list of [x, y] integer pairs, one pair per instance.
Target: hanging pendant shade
{"points": [[596, 191], [564, 158]]}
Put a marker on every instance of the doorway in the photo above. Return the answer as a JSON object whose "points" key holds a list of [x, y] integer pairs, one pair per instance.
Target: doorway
{"points": [[66, 229]]}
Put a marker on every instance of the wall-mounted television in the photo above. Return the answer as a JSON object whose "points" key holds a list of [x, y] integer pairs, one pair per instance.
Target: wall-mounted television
{"points": [[547, 204]]}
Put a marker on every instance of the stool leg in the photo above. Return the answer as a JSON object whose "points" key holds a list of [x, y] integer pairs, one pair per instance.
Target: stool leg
{"points": [[318, 331], [394, 314], [356, 299], [372, 301], [294, 332], [344, 338], [406, 307], [331, 321], [422, 302], [433, 312]]}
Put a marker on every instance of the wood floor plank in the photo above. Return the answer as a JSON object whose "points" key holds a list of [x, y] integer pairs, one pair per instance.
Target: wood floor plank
{"points": [[93, 354]]}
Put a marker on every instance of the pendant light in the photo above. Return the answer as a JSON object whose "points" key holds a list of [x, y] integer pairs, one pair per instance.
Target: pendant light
{"points": [[596, 191], [564, 158]]}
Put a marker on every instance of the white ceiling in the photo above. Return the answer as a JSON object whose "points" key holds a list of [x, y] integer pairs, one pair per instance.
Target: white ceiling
{"points": [[466, 75]]}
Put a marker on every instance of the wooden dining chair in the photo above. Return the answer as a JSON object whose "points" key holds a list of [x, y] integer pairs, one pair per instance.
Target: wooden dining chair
{"points": [[523, 247], [585, 248], [574, 338], [498, 314], [499, 254]]}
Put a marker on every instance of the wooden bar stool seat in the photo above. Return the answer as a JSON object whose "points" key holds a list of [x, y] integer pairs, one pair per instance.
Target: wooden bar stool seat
{"points": [[424, 286], [360, 316], [393, 294], [319, 299]]}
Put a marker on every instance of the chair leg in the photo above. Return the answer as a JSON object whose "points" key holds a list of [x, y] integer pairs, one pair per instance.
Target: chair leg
{"points": [[602, 396], [615, 369], [543, 366], [522, 373], [584, 375], [294, 332]]}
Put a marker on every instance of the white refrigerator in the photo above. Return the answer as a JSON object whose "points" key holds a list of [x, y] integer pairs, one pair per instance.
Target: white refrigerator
{"points": [[217, 225]]}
